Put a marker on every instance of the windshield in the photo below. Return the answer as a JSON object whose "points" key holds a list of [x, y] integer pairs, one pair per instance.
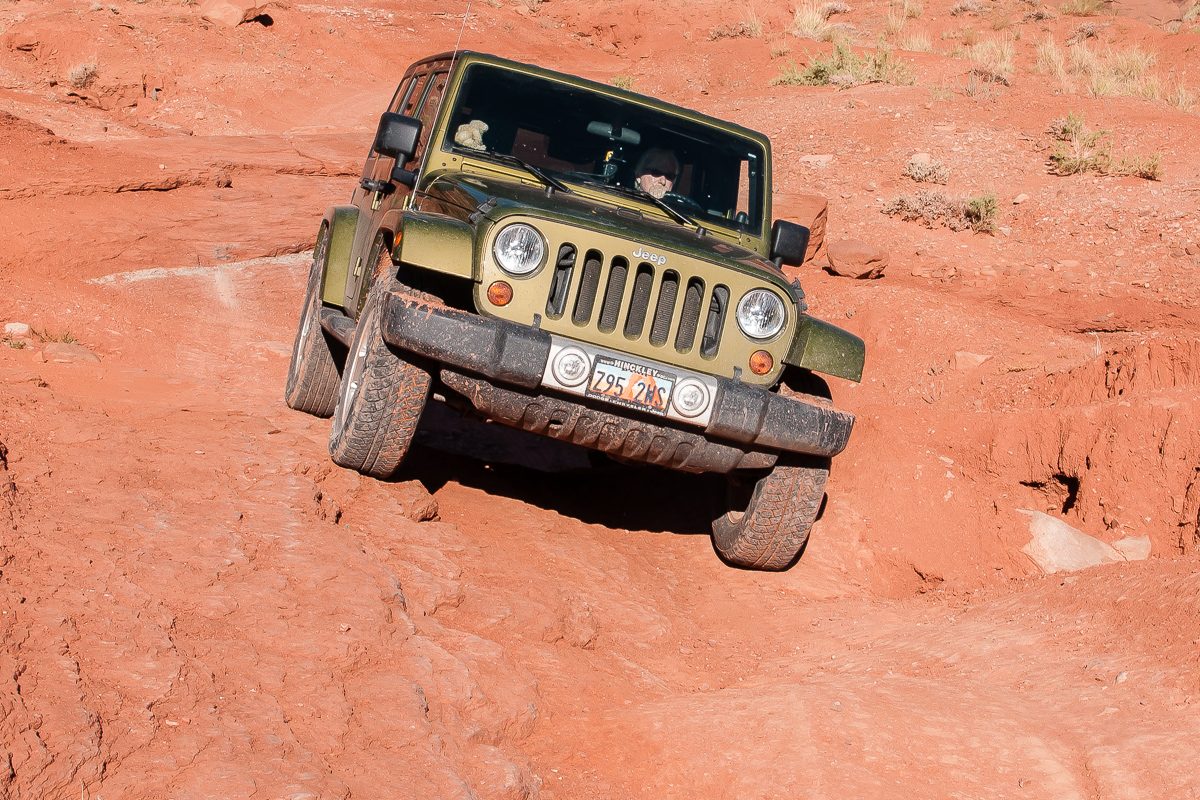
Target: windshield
{"points": [[708, 175]]}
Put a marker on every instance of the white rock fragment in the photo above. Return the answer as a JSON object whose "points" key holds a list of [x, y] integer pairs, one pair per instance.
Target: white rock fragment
{"points": [[18, 330], [1057, 547], [964, 360], [1134, 548]]}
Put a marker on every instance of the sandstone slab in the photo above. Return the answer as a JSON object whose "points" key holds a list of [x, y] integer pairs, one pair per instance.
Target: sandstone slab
{"points": [[61, 351], [853, 258]]}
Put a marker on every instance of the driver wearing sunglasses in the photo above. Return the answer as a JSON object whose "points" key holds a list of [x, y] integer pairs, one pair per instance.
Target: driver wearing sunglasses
{"points": [[656, 172]]}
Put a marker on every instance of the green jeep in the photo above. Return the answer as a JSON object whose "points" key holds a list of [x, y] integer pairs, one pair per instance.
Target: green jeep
{"points": [[585, 263]]}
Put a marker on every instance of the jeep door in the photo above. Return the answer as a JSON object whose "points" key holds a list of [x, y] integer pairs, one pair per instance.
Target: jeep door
{"points": [[418, 95]]}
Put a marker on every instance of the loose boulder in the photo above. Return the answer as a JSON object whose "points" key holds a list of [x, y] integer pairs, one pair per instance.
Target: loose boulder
{"points": [[61, 351], [1057, 547], [811, 211], [232, 12], [852, 258]]}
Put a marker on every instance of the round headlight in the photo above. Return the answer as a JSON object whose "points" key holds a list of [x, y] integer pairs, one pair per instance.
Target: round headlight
{"points": [[519, 249], [760, 314]]}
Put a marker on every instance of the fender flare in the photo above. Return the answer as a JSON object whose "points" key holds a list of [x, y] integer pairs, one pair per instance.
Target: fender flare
{"points": [[342, 221]]}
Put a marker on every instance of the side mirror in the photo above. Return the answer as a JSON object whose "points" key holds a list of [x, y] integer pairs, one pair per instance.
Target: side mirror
{"points": [[789, 243], [397, 136]]}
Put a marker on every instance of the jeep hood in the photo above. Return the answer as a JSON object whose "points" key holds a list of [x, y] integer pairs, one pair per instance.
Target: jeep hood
{"points": [[462, 195]]}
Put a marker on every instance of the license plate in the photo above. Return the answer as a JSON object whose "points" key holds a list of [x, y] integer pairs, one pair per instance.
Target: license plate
{"points": [[631, 384]]}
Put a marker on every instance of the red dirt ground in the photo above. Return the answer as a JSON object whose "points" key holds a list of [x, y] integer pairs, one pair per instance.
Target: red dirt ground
{"points": [[197, 604]]}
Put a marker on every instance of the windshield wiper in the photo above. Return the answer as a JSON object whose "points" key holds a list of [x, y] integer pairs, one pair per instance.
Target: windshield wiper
{"points": [[530, 168], [641, 195]]}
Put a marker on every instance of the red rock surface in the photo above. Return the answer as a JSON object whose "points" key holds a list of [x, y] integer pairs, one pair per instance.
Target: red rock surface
{"points": [[196, 603]]}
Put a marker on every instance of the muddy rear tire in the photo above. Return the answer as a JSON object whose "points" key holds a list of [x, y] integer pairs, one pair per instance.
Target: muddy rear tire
{"points": [[766, 522], [312, 381], [381, 396]]}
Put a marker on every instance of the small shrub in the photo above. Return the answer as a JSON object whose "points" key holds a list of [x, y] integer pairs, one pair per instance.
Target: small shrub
{"points": [[1082, 8], [965, 7], [623, 82], [16, 344], [1148, 167], [933, 172], [983, 84], [1088, 30], [940, 93], [84, 75], [1039, 14], [913, 10], [1078, 150], [977, 213], [981, 212], [827, 10], [45, 336], [895, 22]]}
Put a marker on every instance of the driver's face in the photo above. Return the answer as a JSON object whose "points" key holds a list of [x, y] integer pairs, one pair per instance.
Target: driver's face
{"points": [[657, 180]]}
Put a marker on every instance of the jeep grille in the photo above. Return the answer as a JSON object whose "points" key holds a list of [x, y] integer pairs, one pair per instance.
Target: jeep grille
{"points": [[611, 275]]}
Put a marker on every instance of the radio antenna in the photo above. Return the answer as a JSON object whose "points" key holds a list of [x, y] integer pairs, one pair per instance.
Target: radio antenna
{"points": [[454, 56]]}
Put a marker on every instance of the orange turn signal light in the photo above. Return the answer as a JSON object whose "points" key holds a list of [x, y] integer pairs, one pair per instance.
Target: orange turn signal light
{"points": [[761, 362], [499, 293]]}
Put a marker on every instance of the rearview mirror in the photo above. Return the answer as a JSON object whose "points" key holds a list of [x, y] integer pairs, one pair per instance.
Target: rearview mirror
{"points": [[624, 135], [789, 243], [397, 136]]}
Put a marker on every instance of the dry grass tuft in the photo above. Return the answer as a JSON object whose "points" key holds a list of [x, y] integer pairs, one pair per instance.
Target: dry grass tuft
{"points": [[843, 68], [995, 57], [1052, 61], [809, 22], [966, 7], [83, 75], [921, 172], [623, 82], [751, 27], [913, 10], [1115, 72], [1082, 8], [916, 42], [1040, 13], [977, 213], [1181, 97], [894, 24]]}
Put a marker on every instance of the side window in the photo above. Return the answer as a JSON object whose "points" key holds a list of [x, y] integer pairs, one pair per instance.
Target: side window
{"points": [[431, 103], [412, 95], [400, 98]]}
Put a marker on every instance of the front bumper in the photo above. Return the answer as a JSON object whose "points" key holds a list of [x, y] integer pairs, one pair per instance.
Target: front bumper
{"points": [[744, 427]]}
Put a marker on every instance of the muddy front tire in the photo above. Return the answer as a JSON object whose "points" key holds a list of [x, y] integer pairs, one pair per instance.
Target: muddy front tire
{"points": [[766, 522], [380, 399], [312, 381]]}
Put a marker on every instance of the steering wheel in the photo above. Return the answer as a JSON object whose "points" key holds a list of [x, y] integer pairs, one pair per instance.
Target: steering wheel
{"points": [[682, 202]]}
